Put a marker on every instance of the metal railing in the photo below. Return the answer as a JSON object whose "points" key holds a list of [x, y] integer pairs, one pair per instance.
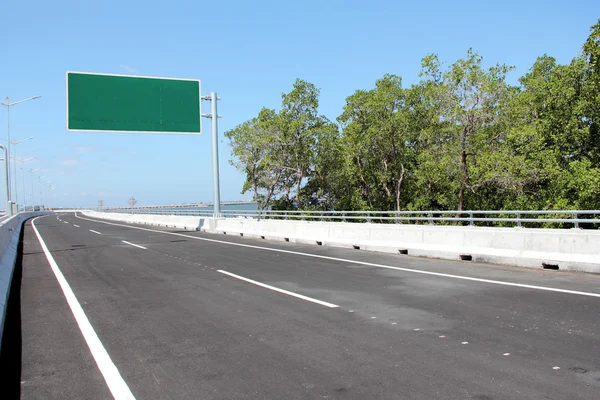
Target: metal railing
{"points": [[534, 218]]}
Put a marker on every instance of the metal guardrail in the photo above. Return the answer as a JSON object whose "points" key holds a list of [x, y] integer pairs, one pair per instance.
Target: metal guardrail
{"points": [[574, 218]]}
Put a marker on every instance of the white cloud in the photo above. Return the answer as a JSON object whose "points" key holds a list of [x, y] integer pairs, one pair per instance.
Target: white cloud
{"points": [[128, 69], [69, 163]]}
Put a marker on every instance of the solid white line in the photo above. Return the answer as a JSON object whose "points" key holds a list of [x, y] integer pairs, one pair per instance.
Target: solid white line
{"points": [[323, 303], [135, 245], [76, 226], [113, 378], [345, 260], [98, 233], [65, 222]]}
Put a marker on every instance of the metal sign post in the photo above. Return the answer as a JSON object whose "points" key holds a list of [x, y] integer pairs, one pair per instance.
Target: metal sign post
{"points": [[214, 116], [140, 104]]}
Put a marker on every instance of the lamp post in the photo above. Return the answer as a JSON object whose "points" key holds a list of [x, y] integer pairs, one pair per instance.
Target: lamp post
{"points": [[50, 189], [8, 208], [46, 188], [41, 189], [23, 161], [31, 171], [8, 104], [14, 157]]}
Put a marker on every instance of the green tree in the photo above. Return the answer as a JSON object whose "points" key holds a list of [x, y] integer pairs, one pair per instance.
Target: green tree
{"points": [[471, 127], [255, 153], [380, 142], [300, 133]]}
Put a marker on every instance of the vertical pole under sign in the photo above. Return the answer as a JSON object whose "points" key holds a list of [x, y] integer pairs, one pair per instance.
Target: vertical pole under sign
{"points": [[215, 155]]}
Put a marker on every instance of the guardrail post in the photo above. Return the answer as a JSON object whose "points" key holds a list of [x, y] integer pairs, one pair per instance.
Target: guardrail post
{"points": [[575, 217], [368, 217], [302, 215], [430, 218], [343, 216], [471, 222], [519, 220]]}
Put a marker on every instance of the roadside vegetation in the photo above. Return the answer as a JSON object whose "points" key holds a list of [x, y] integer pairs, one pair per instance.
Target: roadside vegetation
{"points": [[462, 138]]}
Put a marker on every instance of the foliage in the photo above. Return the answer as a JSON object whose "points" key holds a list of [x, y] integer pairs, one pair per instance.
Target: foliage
{"points": [[461, 138]]}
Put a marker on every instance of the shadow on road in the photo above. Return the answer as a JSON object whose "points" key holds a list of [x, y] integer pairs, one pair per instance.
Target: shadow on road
{"points": [[10, 354]]}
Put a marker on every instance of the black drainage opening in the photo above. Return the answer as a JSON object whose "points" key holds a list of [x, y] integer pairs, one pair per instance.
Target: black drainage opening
{"points": [[319, 243], [241, 233], [224, 233], [356, 247], [262, 237], [287, 239], [403, 251], [550, 266], [466, 257]]}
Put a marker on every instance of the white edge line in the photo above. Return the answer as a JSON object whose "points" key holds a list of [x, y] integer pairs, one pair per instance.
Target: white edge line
{"points": [[76, 226], [345, 260], [135, 245], [323, 303], [98, 233], [117, 385]]}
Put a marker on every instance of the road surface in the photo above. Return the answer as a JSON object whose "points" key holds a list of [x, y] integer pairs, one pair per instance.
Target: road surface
{"points": [[126, 311]]}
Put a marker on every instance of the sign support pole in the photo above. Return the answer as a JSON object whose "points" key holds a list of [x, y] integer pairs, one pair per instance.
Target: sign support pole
{"points": [[214, 116]]}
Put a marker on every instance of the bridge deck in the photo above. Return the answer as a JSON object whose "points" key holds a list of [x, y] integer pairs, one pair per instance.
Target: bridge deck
{"points": [[176, 327]]}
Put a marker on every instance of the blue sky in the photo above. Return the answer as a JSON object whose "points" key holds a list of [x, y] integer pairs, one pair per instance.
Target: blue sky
{"points": [[249, 52]]}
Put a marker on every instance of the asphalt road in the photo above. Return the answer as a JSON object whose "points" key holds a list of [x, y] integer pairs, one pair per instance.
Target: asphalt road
{"points": [[187, 315]]}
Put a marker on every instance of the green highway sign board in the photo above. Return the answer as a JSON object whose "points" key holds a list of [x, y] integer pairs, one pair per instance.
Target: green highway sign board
{"points": [[124, 103]]}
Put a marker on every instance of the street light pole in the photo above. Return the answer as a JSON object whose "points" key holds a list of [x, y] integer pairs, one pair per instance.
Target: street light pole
{"points": [[6, 163], [41, 189], [23, 177], [46, 189], [31, 171], [8, 104], [14, 156]]}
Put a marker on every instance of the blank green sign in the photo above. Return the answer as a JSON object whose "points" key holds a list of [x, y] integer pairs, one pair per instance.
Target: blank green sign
{"points": [[97, 102]]}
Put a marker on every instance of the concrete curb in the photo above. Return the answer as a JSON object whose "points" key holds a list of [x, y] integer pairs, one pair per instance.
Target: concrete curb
{"points": [[10, 233], [564, 249]]}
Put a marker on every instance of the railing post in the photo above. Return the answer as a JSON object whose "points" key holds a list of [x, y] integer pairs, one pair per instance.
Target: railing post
{"points": [[430, 218], [343, 216], [519, 220], [471, 222], [368, 217], [575, 217]]}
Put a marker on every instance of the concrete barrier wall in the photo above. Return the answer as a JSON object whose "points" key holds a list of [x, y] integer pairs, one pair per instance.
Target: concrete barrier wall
{"points": [[569, 249], [10, 231], [170, 221]]}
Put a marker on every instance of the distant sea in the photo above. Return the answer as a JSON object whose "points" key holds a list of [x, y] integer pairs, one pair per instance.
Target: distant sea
{"points": [[229, 207]]}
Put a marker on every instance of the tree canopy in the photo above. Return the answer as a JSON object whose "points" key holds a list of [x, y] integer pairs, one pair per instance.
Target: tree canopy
{"points": [[461, 138]]}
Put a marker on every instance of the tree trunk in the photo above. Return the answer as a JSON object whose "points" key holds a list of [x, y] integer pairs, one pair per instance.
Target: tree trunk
{"points": [[464, 169], [298, 185], [398, 187]]}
